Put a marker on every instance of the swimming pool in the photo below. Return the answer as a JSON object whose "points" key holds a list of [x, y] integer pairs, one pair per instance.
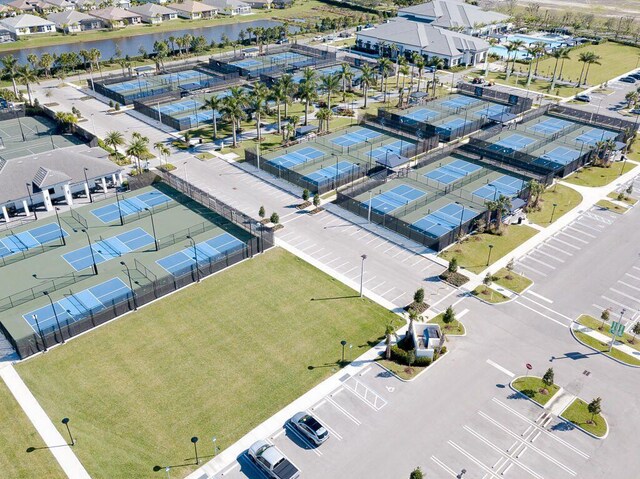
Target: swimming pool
{"points": [[553, 42], [501, 51]]}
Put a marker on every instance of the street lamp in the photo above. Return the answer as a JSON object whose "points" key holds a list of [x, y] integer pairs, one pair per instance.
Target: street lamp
{"points": [[86, 182], [194, 440], [64, 241], [35, 215], [461, 218], [343, 343], [495, 190], [55, 313], [44, 343], [215, 445], [364, 256], [93, 258], [553, 211], [168, 470], [613, 339], [195, 257], [133, 293], [489, 257], [153, 227], [119, 209], [65, 421]]}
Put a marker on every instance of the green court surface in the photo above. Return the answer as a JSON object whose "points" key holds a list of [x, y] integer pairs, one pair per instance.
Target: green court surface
{"points": [[215, 359], [31, 135]]}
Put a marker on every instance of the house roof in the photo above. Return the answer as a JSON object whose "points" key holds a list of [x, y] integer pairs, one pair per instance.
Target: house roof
{"points": [[151, 10], [451, 14], [226, 4], [84, 3], [432, 40], [25, 20], [44, 170], [25, 5], [69, 18], [191, 6], [113, 13], [59, 3]]}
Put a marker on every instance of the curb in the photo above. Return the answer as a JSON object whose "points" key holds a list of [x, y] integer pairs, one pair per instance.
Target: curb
{"points": [[524, 395], [508, 300], [602, 353], [425, 370], [581, 428]]}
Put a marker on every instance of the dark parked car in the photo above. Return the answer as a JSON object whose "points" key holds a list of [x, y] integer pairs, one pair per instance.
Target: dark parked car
{"points": [[310, 427], [583, 97], [628, 80]]}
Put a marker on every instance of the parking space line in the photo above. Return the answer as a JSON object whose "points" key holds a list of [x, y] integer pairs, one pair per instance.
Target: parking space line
{"points": [[362, 393], [581, 232], [539, 250], [500, 368], [315, 252], [339, 266], [229, 469], [399, 296], [343, 410], [562, 232], [548, 309], [629, 286], [542, 314], [634, 298], [594, 228], [373, 289], [387, 291], [278, 434], [304, 440], [444, 466], [372, 240], [474, 459], [370, 279], [324, 255], [632, 276], [555, 238], [520, 263], [349, 271], [550, 301], [333, 432], [557, 249]]}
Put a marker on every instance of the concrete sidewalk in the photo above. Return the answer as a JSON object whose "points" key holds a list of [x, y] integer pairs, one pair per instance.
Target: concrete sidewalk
{"points": [[559, 402], [603, 338], [58, 445]]}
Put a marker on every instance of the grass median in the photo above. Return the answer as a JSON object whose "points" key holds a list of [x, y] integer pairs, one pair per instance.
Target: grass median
{"points": [[511, 280], [609, 205], [535, 389], [614, 195], [562, 196], [454, 328], [489, 294], [578, 413], [595, 324], [214, 359], [604, 349], [594, 176]]}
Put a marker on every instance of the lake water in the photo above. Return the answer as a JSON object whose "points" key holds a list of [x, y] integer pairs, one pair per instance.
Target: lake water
{"points": [[131, 45]]}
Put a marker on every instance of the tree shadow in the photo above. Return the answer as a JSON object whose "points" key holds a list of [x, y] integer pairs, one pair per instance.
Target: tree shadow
{"points": [[563, 426], [517, 395]]}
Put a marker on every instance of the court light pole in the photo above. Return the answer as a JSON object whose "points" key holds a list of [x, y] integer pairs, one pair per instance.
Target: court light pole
{"points": [[55, 313], [194, 440], [553, 211], [133, 293], [364, 256], [119, 209], [65, 421], [489, 257], [153, 227], [495, 190], [369, 209], [86, 182], [33, 209], [44, 343], [93, 258], [343, 343], [195, 257], [215, 445], [64, 241]]}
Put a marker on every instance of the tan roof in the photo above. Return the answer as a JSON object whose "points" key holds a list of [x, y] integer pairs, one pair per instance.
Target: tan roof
{"points": [[113, 13], [191, 6]]}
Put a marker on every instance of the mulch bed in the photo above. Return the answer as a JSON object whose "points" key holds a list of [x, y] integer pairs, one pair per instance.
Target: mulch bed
{"points": [[454, 279]]}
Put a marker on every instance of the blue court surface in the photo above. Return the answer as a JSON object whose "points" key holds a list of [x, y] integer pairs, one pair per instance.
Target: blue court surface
{"points": [[458, 101], [206, 251], [445, 219], [492, 110], [355, 137], [422, 115], [108, 249], [559, 156], [452, 171], [595, 135], [550, 126], [511, 143], [177, 107], [295, 158], [247, 63], [330, 172], [130, 206], [381, 152], [393, 199], [29, 239], [79, 305], [451, 125], [505, 185]]}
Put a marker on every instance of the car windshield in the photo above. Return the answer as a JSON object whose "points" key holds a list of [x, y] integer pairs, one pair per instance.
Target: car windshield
{"points": [[312, 423]]}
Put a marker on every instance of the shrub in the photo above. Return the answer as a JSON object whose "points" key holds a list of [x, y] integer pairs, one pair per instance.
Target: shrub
{"points": [[167, 167], [261, 212], [305, 195], [418, 296], [110, 103], [453, 265], [117, 106], [449, 315], [548, 377], [274, 218], [455, 279], [416, 474], [316, 200]]}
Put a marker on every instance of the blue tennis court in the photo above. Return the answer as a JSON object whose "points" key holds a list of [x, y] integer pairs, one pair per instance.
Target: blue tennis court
{"points": [[451, 125], [354, 137], [550, 126], [130, 206], [286, 57], [206, 251], [108, 249], [29, 239], [422, 115], [177, 107], [492, 110], [130, 85], [505, 185], [382, 151], [595, 135], [444, 220], [511, 143], [247, 63], [453, 171], [79, 305], [393, 199], [330, 172], [560, 155], [459, 101], [298, 157]]}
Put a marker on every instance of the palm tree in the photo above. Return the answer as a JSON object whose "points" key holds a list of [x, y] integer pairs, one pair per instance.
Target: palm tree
{"points": [[565, 56], [346, 75], [367, 80], [532, 51], [277, 94], [27, 76], [389, 333], [415, 57], [32, 58], [535, 191], [114, 139], [557, 54], [436, 62], [593, 58], [289, 88], [330, 84], [307, 90], [420, 64], [584, 58], [517, 44], [384, 68], [233, 112], [542, 50], [404, 70], [257, 102], [213, 103], [511, 47], [503, 204], [163, 150], [138, 149], [492, 42], [46, 62], [631, 98], [323, 116], [10, 70]]}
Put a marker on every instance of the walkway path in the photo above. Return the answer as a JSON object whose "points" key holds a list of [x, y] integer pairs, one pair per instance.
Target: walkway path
{"points": [[603, 338]]}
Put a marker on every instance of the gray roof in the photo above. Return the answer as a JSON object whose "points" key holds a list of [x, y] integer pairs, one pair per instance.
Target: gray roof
{"points": [[451, 14], [113, 14], [25, 20], [44, 170], [151, 10], [191, 6], [226, 4], [70, 17], [432, 40]]}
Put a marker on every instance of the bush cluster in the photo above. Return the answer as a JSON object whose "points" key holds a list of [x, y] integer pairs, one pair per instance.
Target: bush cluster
{"points": [[403, 357]]}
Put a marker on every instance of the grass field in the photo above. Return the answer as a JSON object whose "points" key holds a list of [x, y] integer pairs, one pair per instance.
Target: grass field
{"points": [[627, 199], [604, 348], [215, 359], [531, 386], [512, 280], [454, 328], [599, 176], [489, 294], [539, 86], [400, 370], [578, 414], [593, 323], [473, 253], [566, 198], [609, 205], [17, 434]]}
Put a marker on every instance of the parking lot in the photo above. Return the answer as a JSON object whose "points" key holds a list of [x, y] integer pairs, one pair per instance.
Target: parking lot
{"points": [[609, 100]]}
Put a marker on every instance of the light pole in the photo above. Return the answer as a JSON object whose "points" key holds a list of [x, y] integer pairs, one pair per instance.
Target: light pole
{"points": [[194, 440], [55, 313], [461, 218], [495, 190], [35, 215], [553, 211], [119, 209], [369, 209], [86, 182], [364, 256], [489, 257], [186, 178], [93, 258], [65, 421], [153, 227], [215, 445], [93, 123], [343, 343], [133, 293], [64, 241], [44, 343], [613, 339], [168, 471], [195, 257]]}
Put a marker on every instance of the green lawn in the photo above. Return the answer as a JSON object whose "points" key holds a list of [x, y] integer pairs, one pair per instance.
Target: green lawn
{"points": [[473, 253], [489, 294], [597, 175], [604, 348], [593, 323], [578, 414], [539, 86], [400, 370], [512, 280], [531, 386], [454, 328], [606, 204], [215, 359], [626, 199], [564, 197], [17, 434]]}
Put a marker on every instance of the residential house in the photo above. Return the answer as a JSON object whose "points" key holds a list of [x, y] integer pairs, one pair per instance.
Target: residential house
{"points": [[260, 4], [60, 5], [5, 35], [84, 5], [282, 3], [193, 10], [408, 36], [116, 17], [126, 4], [27, 24], [159, 2], [230, 7], [152, 13], [23, 6], [75, 22], [4, 10], [457, 15]]}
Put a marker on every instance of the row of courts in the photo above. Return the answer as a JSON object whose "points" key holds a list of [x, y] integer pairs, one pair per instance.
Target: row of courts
{"points": [[31, 135]]}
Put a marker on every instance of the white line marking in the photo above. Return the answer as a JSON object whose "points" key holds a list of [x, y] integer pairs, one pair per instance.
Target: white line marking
{"points": [[500, 368], [540, 296], [324, 423], [304, 440], [555, 238], [581, 232], [542, 314], [344, 411], [632, 276], [629, 286], [539, 261], [372, 289], [324, 256], [560, 250], [624, 294], [443, 466], [230, 468], [349, 270], [619, 303], [277, 434], [539, 250], [462, 313], [387, 291], [474, 459], [573, 237], [548, 309], [520, 263], [590, 227]]}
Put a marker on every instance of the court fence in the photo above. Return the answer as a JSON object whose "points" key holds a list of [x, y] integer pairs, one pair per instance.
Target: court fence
{"points": [[519, 104], [261, 239]]}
